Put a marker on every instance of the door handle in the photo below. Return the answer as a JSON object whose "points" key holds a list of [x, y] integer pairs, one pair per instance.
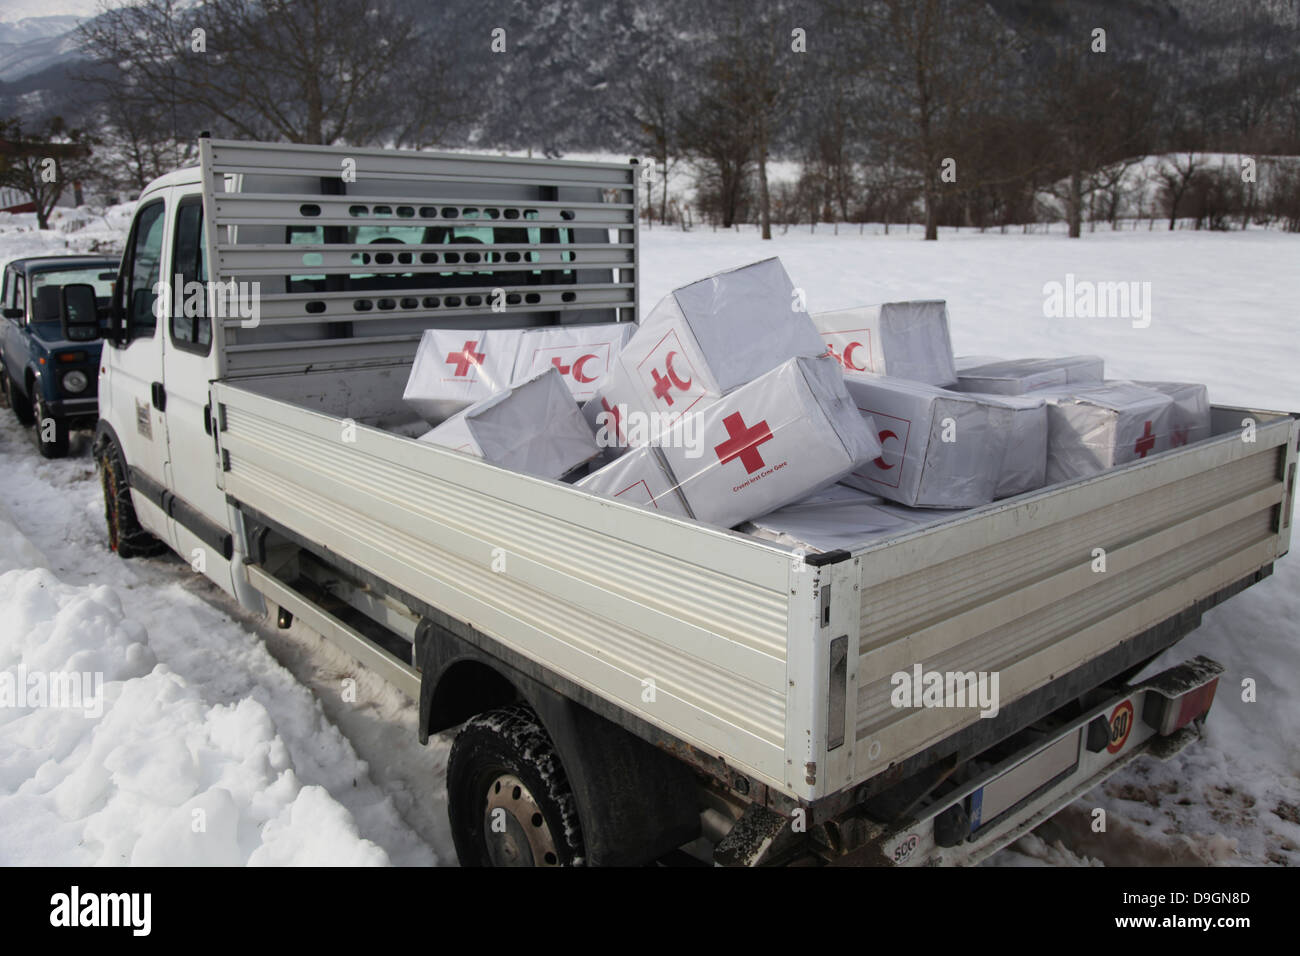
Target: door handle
{"points": [[159, 396]]}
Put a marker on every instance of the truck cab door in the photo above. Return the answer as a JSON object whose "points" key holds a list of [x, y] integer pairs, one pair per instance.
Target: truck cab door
{"points": [[199, 512], [131, 394]]}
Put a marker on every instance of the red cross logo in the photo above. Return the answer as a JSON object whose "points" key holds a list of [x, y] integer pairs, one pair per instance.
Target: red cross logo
{"points": [[613, 413], [464, 359], [743, 442], [1146, 442], [1178, 437], [667, 382]]}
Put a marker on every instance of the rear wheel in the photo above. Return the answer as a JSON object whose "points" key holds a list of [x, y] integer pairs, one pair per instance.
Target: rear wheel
{"points": [[509, 800], [51, 432], [125, 536]]}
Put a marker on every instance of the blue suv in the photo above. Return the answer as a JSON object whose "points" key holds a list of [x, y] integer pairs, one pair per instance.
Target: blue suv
{"points": [[50, 382]]}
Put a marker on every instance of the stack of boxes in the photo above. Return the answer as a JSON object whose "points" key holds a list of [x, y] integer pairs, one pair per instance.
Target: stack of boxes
{"points": [[730, 405]]}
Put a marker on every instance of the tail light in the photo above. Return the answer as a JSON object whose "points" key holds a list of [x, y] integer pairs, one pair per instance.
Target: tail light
{"points": [[1167, 714]]}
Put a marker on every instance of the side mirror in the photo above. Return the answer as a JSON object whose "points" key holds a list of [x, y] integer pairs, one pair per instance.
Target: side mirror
{"points": [[78, 312], [12, 313]]}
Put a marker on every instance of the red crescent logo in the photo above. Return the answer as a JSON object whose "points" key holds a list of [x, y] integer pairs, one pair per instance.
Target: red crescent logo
{"points": [[848, 357], [672, 373], [577, 370], [884, 437]]}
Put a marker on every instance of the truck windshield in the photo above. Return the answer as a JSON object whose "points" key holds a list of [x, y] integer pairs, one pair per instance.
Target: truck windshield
{"points": [[45, 287]]}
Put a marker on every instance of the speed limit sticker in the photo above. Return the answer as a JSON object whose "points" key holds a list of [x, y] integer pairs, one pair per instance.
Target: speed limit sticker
{"points": [[1121, 722]]}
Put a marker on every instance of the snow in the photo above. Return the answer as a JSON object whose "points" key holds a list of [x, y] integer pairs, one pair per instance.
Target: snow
{"points": [[205, 708]]}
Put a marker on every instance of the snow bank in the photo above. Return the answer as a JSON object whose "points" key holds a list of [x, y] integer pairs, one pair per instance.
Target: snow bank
{"points": [[138, 768]]}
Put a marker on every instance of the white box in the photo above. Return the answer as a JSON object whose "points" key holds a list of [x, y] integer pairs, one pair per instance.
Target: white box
{"points": [[584, 354], [900, 339], [454, 368], [917, 466], [784, 435], [706, 339], [823, 524], [1024, 464], [1191, 411], [1018, 376], [638, 478], [1095, 427], [534, 428]]}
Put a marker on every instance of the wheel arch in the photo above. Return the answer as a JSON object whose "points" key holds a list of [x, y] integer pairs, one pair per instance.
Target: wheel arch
{"points": [[636, 802]]}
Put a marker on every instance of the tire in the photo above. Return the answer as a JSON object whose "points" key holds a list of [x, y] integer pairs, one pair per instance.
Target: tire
{"points": [[503, 772], [57, 446], [125, 536], [19, 403]]}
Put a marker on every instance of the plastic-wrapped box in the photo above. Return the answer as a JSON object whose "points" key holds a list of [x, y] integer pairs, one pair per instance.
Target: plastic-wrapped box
{"points": [[583, 354], [828, 523], [641, 478], [841, 518], [1191, 411], [1024, 464], [1095, 427], [899, 339], [1018, 376], [703, 341], [454, 368], [777, 439], [941, 449], [534, 427]]}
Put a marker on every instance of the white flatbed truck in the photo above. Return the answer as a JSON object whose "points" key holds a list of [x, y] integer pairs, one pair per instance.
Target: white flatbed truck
{"points": [[629, 684]]}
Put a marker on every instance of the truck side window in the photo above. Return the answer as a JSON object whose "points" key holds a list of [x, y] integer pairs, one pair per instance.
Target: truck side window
{"points": [[20, 301], [142, 273], [191, 330]]}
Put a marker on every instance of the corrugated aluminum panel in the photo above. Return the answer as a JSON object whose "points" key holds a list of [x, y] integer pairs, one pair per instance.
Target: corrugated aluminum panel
{"points": [[349, 253], [603, 594], [1012, 588]]}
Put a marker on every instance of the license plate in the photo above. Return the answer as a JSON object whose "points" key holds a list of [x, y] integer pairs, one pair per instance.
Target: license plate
{"points": [[1022, 781]]}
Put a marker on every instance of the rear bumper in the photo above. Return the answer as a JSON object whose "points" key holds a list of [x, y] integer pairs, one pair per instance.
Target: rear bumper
{"points": [[988, 813]]}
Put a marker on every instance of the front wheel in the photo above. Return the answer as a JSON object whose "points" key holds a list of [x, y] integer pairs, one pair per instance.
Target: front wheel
{"points": [[125, 536], [18, 402], [51, 433], [509, 800]]}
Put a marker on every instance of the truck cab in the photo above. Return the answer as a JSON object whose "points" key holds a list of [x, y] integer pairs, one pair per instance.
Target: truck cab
{"points": [[50, 381]]}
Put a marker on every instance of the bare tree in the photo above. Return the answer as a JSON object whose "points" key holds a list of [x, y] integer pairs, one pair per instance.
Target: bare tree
{"points": [[306, 71], [930, 66], [1176, 174], [42, 165]]}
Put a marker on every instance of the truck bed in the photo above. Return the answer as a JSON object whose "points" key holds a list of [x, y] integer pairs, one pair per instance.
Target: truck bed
{"points": [[728, 643]]}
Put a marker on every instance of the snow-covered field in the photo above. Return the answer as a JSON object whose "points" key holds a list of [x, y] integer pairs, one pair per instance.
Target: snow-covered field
{"points": [[204, 709]]}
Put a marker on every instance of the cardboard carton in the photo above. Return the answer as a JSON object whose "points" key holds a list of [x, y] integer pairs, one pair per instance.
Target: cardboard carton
{"points": [[534, 428], [1095, 427], [941, 449], [1190, 420], [899, 339]]}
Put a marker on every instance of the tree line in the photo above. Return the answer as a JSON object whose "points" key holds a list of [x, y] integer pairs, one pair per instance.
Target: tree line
{"points": [[947, 112]]}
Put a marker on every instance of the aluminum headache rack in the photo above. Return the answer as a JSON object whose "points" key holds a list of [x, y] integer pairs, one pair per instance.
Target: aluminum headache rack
{"points": [[355, 252]]}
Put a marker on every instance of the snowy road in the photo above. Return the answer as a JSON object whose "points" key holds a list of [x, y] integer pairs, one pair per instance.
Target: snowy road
{"points": [[246, 728]]}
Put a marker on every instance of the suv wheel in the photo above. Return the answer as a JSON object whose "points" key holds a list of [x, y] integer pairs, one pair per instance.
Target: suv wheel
{"points": [[51, 432]]}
